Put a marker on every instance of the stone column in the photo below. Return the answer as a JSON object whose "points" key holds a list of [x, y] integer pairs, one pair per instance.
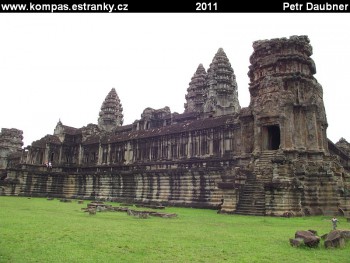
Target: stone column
{"points": [[60, 155], [169, 149], [150, 150], [210, 139], [131, 152], [198, 145], [100, 153], [46, 153], [128, 153], [135, 152], [159, 148], [109, 154], [189, 145], [80, 154], [222, 143]]}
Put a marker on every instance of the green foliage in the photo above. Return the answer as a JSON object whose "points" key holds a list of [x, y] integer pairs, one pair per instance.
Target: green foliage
{"points": [[38, 230]]}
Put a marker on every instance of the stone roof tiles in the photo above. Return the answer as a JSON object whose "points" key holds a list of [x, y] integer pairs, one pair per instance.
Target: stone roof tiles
{"points": [[186, 126], [53, 139], [71, 130]]}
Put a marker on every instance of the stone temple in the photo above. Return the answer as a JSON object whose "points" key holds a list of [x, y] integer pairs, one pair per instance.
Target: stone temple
{"points": [[270, 158]]}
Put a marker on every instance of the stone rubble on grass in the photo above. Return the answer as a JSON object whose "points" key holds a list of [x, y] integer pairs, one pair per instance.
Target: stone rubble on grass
{"points": [[99, 206], [337, 238], [305, 237], [309, 238]]}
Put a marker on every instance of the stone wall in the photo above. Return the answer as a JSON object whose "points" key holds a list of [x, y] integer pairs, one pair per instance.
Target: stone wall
{"points": [[306, 187], [178, 187]]}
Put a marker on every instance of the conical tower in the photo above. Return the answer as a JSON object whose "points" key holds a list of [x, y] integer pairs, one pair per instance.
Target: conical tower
{"points": [[222, 96], [111, 114], [196, 91]]}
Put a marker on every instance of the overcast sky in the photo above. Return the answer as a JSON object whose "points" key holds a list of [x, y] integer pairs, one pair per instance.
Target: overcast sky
{"points": [[62, 66]]}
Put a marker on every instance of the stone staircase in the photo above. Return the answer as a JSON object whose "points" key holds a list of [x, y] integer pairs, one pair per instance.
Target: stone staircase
{"points": [[252, 197]]}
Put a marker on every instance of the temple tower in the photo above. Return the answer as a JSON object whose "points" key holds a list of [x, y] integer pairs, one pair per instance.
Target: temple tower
{"points": [[286, 100], [196, 91], [11, 141], [222, 94], [111, 114]]}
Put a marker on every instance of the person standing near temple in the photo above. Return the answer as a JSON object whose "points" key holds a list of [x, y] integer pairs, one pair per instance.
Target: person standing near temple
{"points": [[334, 223]]}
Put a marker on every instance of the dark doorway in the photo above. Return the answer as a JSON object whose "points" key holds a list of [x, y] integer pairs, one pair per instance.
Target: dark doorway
{"points": [[272, 137]]}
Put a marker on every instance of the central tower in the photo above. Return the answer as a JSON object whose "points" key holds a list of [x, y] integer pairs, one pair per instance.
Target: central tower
{"points": [[213, 93], [222, 96]]}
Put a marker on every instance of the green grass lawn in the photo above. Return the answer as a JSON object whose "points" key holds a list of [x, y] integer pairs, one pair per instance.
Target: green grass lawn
{"points": [[39, 230]]}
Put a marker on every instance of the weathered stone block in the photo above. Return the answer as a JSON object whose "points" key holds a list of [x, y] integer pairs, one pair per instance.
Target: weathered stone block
{"points": [[310, 239], [334, 240]]}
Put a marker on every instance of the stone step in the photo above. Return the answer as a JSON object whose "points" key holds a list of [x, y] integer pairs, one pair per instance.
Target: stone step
{"points": [[251, 203], [252, 198], [250, 209], [255, 199], [251, 213]]}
